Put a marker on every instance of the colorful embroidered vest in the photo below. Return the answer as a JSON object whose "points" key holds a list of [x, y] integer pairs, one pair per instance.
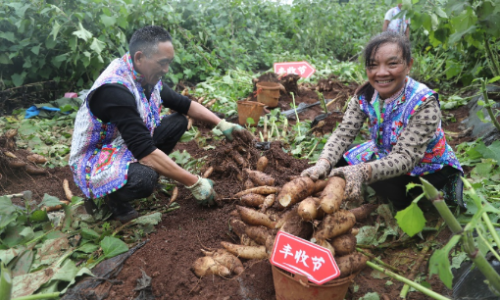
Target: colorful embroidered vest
{"points": [[397, 116], [99, 157]]}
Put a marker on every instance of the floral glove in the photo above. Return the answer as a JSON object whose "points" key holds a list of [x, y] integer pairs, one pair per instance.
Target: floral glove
{"points": [[319, 170], [232, 131], [203, 191], [354, 177]]}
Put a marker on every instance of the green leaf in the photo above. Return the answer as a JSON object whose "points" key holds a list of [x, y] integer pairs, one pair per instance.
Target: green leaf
{"points": [[82, 33], [36, 49], [18, 79], [88, 248], [108, 21], [370, 296], [97, 45], [89, 234], [151, 219], [9, 36], [39, 216], [6, 256], [411, 219], [440, 264], [441, 13], [49, 201], [6, 206], [434, 22], [367, 235], [55, 30], [4, 59], [112, 246], [494, 79]]}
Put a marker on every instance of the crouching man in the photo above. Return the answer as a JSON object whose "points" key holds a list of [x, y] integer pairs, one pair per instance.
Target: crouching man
{"points": [[120, 142]]}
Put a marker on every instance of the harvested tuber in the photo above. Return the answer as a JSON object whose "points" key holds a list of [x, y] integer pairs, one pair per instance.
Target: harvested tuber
{"points": [[351, 263], [10, 133], [355, 231], [320, 185], [204, 266], [295, 191], [228, 260], [175, 193], [309, 209], [327, 245], [36, 158], [245, 240], [67, 191], [238, 158], [248, 184], [344, 244], [34, 170], [262, 164], [268, 202], [263, 190], [363, 211], [253, 200], [332, 195], [292, 223], [9, 154], [259, 234], [253, 217], [16, 163], [247, 252], [335, 224], [237, 226], [208, 172], [260, 178]]}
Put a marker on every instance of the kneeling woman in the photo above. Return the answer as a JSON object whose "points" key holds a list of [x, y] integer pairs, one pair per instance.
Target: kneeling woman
{"points": [[407, 140]]}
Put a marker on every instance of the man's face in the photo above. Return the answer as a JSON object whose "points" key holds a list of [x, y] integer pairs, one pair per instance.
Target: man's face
{"points": [[154, 67]]}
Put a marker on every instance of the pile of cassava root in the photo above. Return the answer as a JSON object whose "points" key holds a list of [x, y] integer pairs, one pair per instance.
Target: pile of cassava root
{"points": [[10, 161], [307, 209]]}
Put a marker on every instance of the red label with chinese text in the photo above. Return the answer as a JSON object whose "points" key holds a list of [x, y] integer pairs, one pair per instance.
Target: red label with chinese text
{"points": [[297, 255], [301, 68]]}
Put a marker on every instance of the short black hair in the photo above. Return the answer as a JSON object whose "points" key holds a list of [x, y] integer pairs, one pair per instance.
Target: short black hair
{"points": [[146, 40], [386, 37]]}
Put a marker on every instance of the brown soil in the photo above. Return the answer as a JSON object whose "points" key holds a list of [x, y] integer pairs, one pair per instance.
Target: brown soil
{"points": [[168, 255]]}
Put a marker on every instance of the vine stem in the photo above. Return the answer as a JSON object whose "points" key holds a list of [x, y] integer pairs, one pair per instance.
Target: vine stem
{"points": [[494, 62], [413, 284], [39, 296], [488, 105]]}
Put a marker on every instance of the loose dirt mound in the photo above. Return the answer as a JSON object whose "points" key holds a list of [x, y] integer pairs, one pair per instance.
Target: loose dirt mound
{"points": [[15, 177]]}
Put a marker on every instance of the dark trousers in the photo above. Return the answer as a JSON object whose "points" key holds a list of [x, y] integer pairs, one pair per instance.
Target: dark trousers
{"points": [[141, 180], [394, 188]]}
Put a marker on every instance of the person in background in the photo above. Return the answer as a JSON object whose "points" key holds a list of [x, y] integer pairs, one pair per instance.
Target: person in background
{"points": [[404, 120], [397, 25], [120, 142]]}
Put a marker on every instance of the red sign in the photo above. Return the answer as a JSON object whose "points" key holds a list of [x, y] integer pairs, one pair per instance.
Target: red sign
{"points": [[301, 68], [297, 255]]}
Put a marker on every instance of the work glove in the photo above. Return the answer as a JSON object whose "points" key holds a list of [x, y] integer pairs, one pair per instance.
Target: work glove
{"points": [[232, 131], [354, 177], [319, 170], [203, 191]]}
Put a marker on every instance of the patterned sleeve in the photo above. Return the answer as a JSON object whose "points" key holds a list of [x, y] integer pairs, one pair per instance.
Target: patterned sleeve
{"points": [[411, 145], [345, 133]]}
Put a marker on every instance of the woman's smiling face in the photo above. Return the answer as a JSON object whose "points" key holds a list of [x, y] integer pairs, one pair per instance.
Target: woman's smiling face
{"points": [[387, 70]]}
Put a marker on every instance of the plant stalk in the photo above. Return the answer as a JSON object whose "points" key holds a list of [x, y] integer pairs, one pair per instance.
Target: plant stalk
{"points": [[488, 105], [448, 216], [413, 284], [39, 296], [492, 230], [5, 282], [378, 260], [495, 68], [480, 262]]}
